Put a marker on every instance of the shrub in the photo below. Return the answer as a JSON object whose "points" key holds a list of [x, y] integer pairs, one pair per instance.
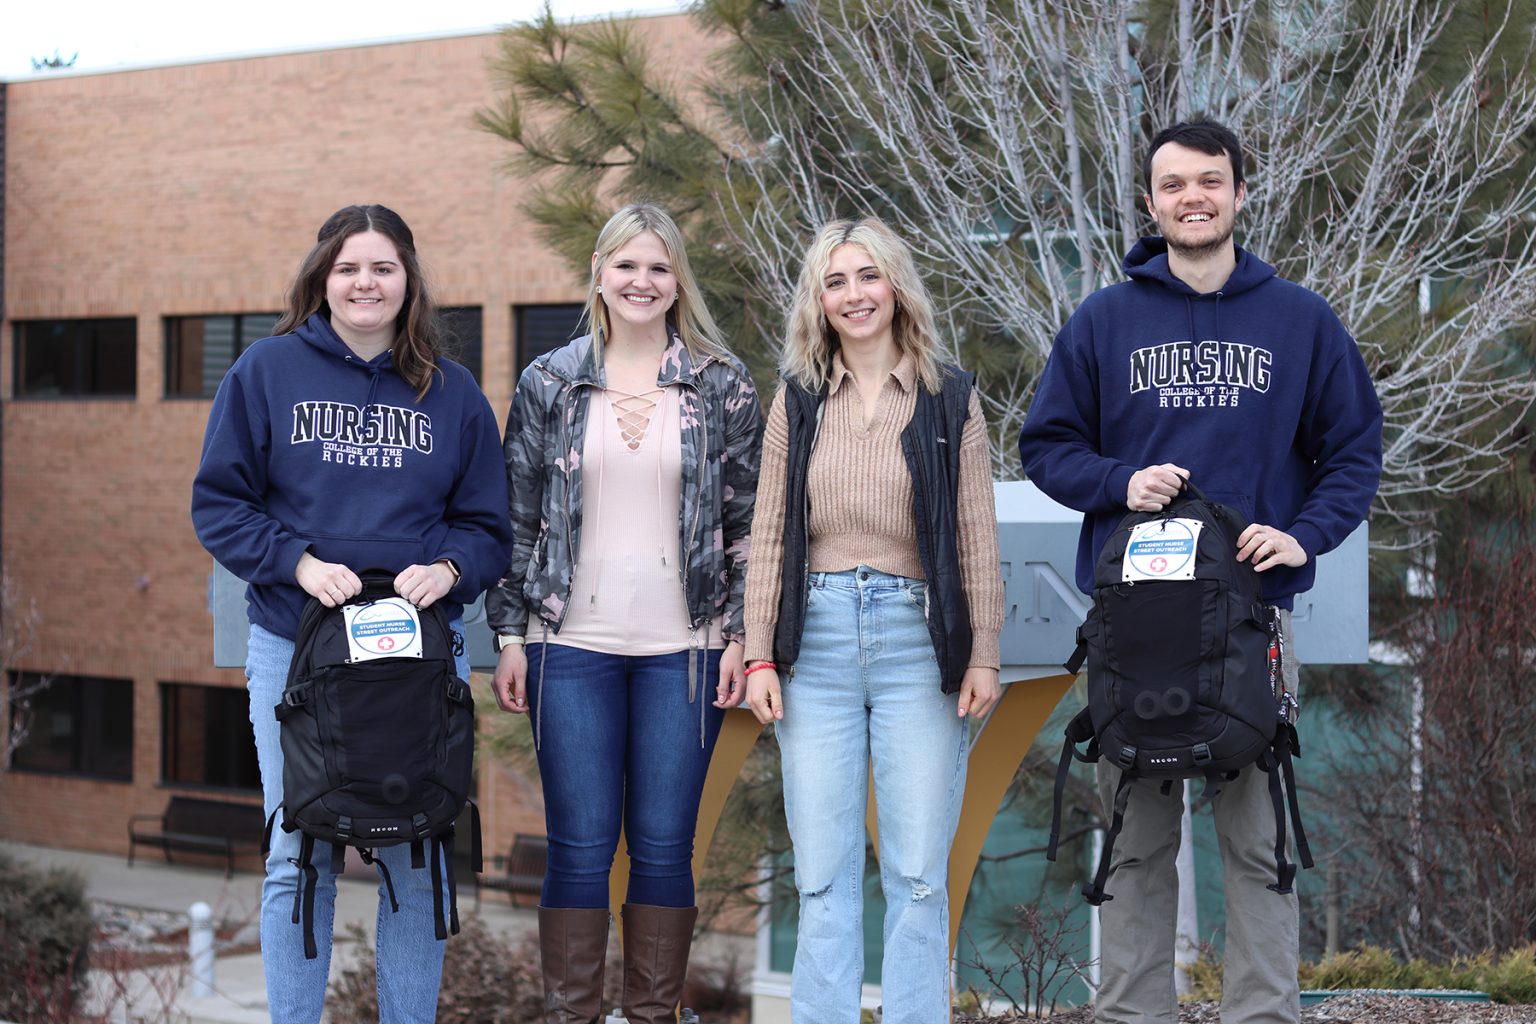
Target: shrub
{"points": [[1512, 979], [45, 934], [486, 980], [1043, 958], [1508, 977], [1205, 975], [1364, 967], [718, 991]]}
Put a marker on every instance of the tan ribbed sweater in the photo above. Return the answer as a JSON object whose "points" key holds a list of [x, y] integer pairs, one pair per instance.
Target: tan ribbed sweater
{"points": [[861, 513]]}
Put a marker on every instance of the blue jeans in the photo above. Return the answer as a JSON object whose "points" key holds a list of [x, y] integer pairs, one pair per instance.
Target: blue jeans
{"points": [[864, 691], [620, 742], [409, 956]]}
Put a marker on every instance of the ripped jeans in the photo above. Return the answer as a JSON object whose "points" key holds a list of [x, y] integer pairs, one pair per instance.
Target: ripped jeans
{"points": [[864, 696]]}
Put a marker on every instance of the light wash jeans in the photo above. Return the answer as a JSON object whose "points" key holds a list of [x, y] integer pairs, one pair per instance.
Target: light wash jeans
{"points": [[409, 956], [866, 689], [1139, 924]]}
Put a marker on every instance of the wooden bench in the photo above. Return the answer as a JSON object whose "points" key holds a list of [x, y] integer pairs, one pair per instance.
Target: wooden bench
{"points": [[520, 872], [200, 825]]}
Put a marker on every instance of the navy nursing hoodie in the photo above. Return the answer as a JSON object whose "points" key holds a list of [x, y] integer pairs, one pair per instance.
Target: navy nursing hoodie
{"points": [[1257, 389], [311, 448]]}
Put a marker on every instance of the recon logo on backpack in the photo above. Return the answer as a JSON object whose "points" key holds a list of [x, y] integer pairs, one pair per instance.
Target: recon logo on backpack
{"points": [[378, 738], [1183, 670]]}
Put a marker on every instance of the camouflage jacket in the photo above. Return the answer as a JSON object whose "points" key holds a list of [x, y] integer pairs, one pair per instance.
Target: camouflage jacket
{"points": [[722, 433]]}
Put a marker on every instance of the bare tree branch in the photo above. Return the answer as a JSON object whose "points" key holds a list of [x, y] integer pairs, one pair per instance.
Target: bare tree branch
{"points": [[998, 138]]}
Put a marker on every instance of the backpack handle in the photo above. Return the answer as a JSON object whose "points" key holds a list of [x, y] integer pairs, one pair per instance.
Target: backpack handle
{"points": [[1189, 485], [377, 585]]}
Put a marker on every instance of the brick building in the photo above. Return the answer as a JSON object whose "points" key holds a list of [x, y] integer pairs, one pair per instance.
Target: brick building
{"points": [[152, 219]]}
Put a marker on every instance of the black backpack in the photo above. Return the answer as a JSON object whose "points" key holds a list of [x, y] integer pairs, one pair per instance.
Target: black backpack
{"points": [[378, 736], [1183, 670]]}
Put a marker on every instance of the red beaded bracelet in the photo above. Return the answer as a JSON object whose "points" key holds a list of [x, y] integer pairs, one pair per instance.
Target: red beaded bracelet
{"points": [[762, 664]]}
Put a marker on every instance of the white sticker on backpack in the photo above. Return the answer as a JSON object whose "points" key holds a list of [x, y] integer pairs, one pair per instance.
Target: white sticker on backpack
{"points": [[390, 628], [1161, 549]]}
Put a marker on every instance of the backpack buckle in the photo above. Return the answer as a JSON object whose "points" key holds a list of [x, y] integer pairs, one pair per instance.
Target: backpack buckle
{"points": [[1290, 708], [1201, 752], [1126, 758]]}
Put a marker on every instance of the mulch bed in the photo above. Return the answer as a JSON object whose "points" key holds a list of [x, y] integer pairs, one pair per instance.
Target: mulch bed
{"points": [[1355, 1009]]}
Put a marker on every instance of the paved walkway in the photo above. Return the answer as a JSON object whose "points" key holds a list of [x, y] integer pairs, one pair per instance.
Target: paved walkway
{"points": [[239, 988]]}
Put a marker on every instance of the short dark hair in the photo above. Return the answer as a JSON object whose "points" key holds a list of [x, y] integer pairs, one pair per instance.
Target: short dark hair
{"points": [[418, 334], [1209, 137]]}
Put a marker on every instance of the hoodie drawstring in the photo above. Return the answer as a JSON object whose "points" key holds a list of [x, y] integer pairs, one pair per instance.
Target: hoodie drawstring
{"points": [[373, 390], [698, 663], [538, 717], [1189, 311]]}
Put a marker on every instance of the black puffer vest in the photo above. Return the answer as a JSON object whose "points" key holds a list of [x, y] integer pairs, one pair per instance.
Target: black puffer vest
{"points": [[931, 445]]}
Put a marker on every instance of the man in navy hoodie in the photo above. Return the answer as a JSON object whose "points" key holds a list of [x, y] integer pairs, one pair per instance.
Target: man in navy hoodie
{"points": [[1205, 364]]}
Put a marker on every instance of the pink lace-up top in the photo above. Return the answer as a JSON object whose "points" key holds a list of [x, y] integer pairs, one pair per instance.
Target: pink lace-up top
{"points": [[627, 593]]}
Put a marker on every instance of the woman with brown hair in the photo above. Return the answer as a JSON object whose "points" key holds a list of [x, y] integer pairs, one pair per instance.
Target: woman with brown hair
{"points": [[348, 442]]}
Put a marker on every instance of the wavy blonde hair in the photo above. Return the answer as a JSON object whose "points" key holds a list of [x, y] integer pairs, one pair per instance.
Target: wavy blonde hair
{"points": [[689, 317], [809, 340]]}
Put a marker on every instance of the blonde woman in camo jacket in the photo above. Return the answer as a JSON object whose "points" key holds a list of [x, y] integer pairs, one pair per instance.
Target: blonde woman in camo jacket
{"points": [[632, 460]]}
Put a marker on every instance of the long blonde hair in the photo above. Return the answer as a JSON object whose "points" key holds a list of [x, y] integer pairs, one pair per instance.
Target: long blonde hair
{"points": [[688, 315], [809, 340]]}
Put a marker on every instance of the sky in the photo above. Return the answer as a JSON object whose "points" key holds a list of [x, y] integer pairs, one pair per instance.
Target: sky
{"points": [[115, 33]]}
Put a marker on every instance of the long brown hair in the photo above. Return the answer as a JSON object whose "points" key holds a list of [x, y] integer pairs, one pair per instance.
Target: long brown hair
{"points": [[418, 334]]}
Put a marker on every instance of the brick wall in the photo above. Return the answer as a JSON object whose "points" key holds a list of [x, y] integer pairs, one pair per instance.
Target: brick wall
{"points": [[197, 189]]}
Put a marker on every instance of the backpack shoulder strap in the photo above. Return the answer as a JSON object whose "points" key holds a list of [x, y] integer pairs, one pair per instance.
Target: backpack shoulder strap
{"points": [[1094, 892]]}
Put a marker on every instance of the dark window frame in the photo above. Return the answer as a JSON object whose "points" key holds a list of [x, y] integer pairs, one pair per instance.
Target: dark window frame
{"points": [[537, 328], [242, 337], [86, 364], [227, 744], [93, 712]]}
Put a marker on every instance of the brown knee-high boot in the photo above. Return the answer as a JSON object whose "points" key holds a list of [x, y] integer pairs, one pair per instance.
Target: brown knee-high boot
{"points": [[573, 947], [656, 944]]}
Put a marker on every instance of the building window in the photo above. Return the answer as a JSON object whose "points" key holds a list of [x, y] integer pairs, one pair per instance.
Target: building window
{"points": [[72, 725], [543, 329], [463, 327], [76, 358], [206, 737], [200, 349]]}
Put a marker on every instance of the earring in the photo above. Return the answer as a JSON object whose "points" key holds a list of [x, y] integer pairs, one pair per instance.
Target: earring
{"points": [[599, 289]]}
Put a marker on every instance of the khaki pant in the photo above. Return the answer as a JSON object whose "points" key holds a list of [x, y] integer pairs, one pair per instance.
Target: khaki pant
{"points": [[1139, 924]]}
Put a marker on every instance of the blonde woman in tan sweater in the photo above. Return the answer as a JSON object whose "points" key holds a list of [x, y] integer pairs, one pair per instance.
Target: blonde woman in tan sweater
{"points": [[873, 607]]}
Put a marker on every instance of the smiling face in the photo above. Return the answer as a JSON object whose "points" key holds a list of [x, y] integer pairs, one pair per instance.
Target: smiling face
{"points": [[637, 283], [1193, 199], [858, 301], [366, 290]]}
